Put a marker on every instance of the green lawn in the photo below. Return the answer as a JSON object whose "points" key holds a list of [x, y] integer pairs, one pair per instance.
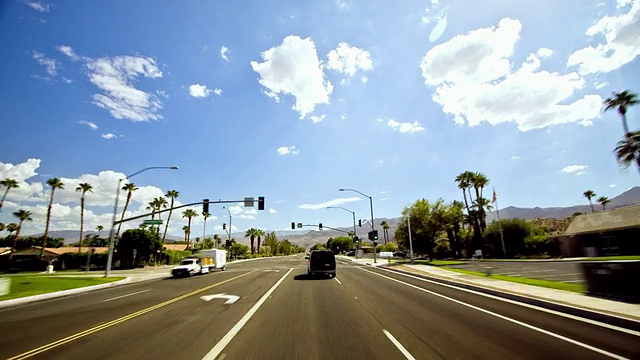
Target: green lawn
{"points": [[33, 285], [536, 282], [437, 262], [608, 258]]}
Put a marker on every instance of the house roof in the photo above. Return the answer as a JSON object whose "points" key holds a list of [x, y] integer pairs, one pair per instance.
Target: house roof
{"points": [[55, 252], [176, 246], [627, 217]]}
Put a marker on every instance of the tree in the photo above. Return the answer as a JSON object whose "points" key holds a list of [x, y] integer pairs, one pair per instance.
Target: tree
{"points": [[464, 182], [2, 226], [252, 234], [186, 233], [603, 200], [589, 194], [23, 216], [271, 240], [145, 242], [84, 188], [454, 216], [340, 244], [628, 150], [238, 249], [8, 185], [622, 101], [428, 221], [259, 235], [189, 214], [99, 228], [385, 230], [171, 194], [479, 181], [216, 240], [129, 188], [514, 231], [11, 228], [55, 183]]}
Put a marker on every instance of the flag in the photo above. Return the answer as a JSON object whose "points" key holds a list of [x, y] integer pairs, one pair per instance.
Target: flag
{"points": [[495, 196]]}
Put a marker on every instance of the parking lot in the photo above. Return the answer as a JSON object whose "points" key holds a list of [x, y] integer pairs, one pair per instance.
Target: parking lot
{"points": [[569, 272]]}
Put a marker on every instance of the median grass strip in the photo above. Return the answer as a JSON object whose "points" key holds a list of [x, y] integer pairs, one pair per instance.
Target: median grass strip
{"points": [[35, 285], [535, 282], [613, 258]]}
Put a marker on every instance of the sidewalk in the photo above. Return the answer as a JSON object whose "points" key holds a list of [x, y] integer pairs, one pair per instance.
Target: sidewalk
{"points": [[497, 287]]}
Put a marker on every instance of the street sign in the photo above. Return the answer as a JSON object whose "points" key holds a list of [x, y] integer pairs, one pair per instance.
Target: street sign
{"points": [[152, 222], [248, 202]]}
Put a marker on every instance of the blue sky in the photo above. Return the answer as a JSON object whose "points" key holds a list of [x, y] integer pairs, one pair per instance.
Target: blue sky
{"points": [[293, 100]]}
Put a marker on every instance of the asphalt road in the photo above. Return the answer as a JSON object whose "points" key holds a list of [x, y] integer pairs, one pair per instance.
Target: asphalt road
{"points": [[283, 314]]}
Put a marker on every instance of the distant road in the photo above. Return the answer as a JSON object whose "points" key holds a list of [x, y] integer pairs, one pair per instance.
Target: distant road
{"points": [[282, 314]]}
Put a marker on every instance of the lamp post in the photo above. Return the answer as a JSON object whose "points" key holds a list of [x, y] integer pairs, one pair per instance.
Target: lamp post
{"points": [[354, 221], [409, 228], [372, 226], [107, 271], [229, 212]]}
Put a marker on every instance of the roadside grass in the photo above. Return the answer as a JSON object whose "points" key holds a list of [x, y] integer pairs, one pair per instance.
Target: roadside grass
{"points": [[514, 260], [34, 285], [609, 258], [432, 263], [536, 282]]}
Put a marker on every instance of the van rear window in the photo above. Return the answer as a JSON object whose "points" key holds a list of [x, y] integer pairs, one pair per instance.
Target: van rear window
{"points": [[323, 256]]}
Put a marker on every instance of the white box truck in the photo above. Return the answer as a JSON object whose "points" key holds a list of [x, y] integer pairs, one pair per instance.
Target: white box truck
{"points": [[201, 263]]}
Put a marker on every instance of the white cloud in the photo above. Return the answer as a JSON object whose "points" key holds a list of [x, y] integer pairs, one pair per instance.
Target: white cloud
{"points": [[348, 59], [115, 77], [38, 6], [109, 136], [612, 185], [618, 42], [333, 202], [405, 127], [544, 53], [581, 173], [284, 150], [272, 211], [316, 119], [217, 91], [293, 68], [223, 52], [199, 91], [515, 157], [21, 173], [383, 192], [50, 64], [235, 209], [90, 124], [574, 168], [67, 50], [475, 82]]}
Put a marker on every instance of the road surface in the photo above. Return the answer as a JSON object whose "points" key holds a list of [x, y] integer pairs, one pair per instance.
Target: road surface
{"points": [[280, 313]]}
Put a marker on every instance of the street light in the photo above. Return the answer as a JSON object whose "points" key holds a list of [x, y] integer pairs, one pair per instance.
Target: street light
{"points": [[372, 227], [354, 222], [229, 232], [107, 271]]}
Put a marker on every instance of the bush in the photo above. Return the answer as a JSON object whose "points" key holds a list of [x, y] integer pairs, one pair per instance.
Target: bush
{"points": [[393, 247], [172, 257]]}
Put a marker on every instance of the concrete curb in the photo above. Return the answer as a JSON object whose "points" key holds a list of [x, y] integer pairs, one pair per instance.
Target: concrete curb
{"points": [[56, 294], [611, 319]]}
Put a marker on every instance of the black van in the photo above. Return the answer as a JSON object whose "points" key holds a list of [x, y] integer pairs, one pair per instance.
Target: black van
{"points": [[322, 262]]}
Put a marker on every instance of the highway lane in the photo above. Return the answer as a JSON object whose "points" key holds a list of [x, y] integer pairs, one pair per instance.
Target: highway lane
{"points": [[366, 313]]}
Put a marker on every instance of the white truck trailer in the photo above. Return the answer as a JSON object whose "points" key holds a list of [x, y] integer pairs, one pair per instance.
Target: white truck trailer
{"points": [[201, 263]]}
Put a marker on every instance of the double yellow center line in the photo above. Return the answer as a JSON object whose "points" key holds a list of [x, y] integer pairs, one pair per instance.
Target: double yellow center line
{"points": [[111, 323]]}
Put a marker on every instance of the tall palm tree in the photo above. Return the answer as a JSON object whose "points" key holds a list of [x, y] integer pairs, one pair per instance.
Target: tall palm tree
{"points": [[622, 101], [464, 182], [252, 233], [8, 184], [259, 235], [23, 216], [205, 215], [589, 194], [129, 188], [628, 150], [479, 181], [603, 200], [84, 188], [155, 206], [11, 228], [186, 232], [55, 183], [216, 240], [171, 194], [385, 230], [99, 228], [190, 214]]}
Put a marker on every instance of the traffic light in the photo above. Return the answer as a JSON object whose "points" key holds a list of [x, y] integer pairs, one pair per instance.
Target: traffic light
{"points": [[260, 202], [375, 234], [205, 206], [320, 226], [356, 240], [360, 223], [370, 235], [293, 225], [224, 226]]}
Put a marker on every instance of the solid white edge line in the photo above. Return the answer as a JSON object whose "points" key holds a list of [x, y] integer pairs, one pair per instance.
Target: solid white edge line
{"points": [[336, 279], [530, 306], [124, 296], [395, 342], [546, 332], [226, 339]]}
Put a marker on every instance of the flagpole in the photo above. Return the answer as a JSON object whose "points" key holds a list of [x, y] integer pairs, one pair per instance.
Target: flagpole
{"points": [[495, 200]]}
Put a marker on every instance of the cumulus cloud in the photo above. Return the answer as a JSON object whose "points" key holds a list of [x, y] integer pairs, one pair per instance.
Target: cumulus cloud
{"points": [[109, 136], [475, 81], [38, 6], [51, 65], [618, 42], [348, 59], [67, 50], [293, 68], [575, 169], [288, 150], [90, 124], [223, 52], [21, 173], [272, 211], [405, 127], [199, 91], [515, 157], [317, 118], [217, 91], [333, 202]]}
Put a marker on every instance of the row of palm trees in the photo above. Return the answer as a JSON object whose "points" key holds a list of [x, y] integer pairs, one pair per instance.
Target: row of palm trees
{"points": [[628, 149], [602, 200]]}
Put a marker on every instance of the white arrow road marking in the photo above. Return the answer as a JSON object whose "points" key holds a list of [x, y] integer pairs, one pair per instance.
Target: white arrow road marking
{"points": [[230, 298], [270, 270]]}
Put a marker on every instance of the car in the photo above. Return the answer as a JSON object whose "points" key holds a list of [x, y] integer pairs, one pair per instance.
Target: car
{"points": [[322, 262], [400, 254], [351, 253]]}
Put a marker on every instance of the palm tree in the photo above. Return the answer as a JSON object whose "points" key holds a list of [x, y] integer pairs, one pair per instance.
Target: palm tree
{"points": [[55, 183], [23, 216], [590, 194], [259, 234], [11, 228], [155, 206], [464, 183], [129, 188], [628, 150], [622, 101], [8, 184], [190, 214], [216, 240], [479, 181], [99, 228], [603, 200], [385, 230], [186, 232], [204, 229], [84, 188], [171, 194], [252, 233]]}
